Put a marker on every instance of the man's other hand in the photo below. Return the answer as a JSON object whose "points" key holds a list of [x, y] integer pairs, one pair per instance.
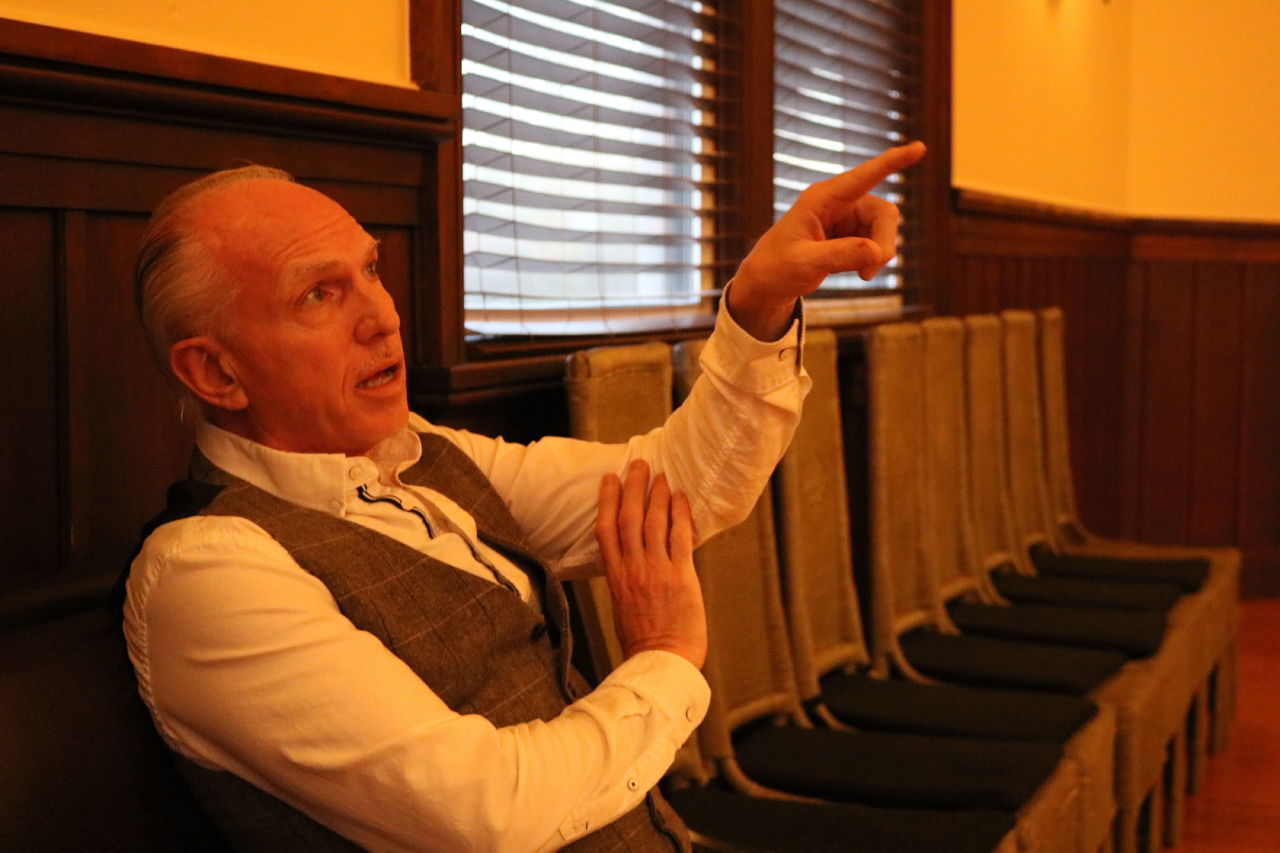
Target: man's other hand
{"points": [[834, 226], [647, 547]]}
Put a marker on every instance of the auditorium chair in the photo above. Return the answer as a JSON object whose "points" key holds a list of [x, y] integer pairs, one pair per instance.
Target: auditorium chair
{"points": [[1072, 537], [832, 660], [1149, 695], [617, 392]]}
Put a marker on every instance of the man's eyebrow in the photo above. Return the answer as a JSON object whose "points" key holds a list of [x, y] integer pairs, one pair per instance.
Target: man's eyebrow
{"points": [[330, 264]]}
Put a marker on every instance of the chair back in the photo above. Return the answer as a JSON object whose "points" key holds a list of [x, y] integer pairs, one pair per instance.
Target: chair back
{"points": [[903, 589], [1028, 486], [1057, 438], [812, 514], [995, 534], [950, 535], [749, 663], [614, 393]]}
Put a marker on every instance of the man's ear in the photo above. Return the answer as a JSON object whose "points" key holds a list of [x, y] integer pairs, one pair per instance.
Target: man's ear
{"points": [[205, 367]]}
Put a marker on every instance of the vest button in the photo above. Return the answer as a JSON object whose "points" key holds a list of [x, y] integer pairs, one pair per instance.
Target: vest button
{"points": [[539, 631]]}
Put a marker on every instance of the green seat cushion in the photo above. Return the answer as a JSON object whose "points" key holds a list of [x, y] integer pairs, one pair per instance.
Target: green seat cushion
{"points": [[896, 769], [1085, 592], [782, 826], [995, 662], [1136, 633], [1189, 574], [953, 709]]}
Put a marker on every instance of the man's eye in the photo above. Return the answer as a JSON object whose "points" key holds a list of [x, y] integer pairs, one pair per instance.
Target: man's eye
{"points": [[315, 295], [371, 268]]}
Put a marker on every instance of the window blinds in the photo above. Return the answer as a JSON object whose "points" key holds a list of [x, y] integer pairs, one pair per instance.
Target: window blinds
{"points": [[847, 85], [585, 179]]}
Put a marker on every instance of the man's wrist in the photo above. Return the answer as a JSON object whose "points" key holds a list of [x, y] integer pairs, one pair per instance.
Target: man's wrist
{"points": [[763, 318]]}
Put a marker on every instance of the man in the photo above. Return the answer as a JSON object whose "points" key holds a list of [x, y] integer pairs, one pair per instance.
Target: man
{"points": [[356, 631]]}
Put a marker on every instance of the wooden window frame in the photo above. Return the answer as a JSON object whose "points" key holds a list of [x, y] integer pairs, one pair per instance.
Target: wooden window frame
{"points": [[432, 114]]}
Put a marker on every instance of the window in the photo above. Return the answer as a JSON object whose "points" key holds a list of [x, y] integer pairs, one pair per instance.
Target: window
{"points": [[599, 180], [847, 85], [583, 173]]}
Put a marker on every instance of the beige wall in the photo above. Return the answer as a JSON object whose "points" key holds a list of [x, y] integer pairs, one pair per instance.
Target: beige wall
{"points": [[1040, 98], [1142, 107], [362, 39], [1205, 109]]}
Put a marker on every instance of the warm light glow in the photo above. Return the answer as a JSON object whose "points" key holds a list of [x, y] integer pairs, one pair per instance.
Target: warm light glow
{"points": [[368, 40]]}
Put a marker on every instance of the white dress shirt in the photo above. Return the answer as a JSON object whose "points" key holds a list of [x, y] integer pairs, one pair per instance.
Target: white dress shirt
{"points": [[248, 666]]}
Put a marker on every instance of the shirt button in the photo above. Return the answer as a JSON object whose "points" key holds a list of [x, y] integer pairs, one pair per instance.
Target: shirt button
{"points": [[632, 784], [354, 473], [688, 713]]}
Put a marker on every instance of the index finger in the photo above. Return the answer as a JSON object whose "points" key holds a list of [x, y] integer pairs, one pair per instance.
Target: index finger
{"points": [[854, 184]]}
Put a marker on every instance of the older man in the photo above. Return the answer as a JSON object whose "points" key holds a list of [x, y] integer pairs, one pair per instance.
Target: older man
{"points": [[354, 630]]}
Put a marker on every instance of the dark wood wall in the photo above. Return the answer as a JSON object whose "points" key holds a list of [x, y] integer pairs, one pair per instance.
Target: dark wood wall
{"points": [[1173, 346], [91, 435]]}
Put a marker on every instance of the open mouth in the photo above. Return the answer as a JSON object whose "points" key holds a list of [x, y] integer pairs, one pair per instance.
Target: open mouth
{"points": [[381, 378]]}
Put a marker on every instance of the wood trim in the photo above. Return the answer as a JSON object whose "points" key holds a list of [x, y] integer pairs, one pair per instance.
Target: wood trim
{"points": [[1171, 247], [435, 63], [967, 201], [71, 48], [935, 170], [81, 88]]}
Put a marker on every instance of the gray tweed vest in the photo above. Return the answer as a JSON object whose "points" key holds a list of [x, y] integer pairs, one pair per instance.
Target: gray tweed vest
{"points": [[478, 646]]}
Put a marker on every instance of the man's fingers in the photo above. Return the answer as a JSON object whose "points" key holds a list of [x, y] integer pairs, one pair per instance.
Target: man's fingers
{"points": [[631, 512], [860, 180], [657, 518], [681, 529], [842, 254], [607, 520]]}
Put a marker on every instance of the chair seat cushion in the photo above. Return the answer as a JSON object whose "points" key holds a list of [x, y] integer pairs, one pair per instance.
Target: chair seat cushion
{"points": [[780, 826], [896, 769], [1084, 592], [1189, 574], [994, 662], [953, 709], [1137, 634]]}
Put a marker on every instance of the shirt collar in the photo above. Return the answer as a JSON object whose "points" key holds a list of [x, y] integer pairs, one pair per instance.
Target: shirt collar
{"points": [[319, 481]]}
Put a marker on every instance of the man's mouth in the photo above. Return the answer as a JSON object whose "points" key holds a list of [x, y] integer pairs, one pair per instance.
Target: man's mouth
{"points": [[382, 377]]}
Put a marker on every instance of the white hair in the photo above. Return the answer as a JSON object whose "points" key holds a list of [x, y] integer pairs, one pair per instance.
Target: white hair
{"points": [[179, 288]]}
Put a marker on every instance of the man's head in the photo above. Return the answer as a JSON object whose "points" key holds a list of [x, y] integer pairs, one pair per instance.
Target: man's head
{"points": [[262, 298]]}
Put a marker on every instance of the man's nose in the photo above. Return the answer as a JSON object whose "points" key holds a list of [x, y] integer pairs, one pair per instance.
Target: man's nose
{"points": [[378, 317]]}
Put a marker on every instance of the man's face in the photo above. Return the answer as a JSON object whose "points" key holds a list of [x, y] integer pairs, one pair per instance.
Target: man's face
{"points": [[311, 335]]}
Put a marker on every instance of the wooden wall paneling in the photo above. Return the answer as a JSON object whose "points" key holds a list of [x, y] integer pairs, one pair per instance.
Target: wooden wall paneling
{"points": [[1259, 465], [126, 444], [29, 391], [1168, 365], [1093, 306], [1215, 403], [1133, 383]]}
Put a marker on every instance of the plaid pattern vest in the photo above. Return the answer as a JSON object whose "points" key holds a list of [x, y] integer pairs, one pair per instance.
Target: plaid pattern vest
{"points": [[477, 645]]}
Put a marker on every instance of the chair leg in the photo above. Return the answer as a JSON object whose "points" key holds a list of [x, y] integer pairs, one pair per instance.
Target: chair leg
{"points": [[1198, 736], [1153, 839], [1175, 791], [1128, 827]]}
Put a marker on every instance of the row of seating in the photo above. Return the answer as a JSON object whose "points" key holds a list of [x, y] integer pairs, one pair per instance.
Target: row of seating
{"points": [[1020, 683]]}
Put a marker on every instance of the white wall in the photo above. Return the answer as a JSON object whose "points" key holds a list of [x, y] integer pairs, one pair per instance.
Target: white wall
{"points": [[362, 39], [1204, 135], [1166, 108]]}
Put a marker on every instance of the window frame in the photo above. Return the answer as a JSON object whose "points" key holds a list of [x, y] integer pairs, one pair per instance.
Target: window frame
{"points": [[749, 190]]}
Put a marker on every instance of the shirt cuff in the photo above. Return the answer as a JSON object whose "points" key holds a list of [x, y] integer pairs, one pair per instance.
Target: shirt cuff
{"points": [[753, 365], [674, 685]]}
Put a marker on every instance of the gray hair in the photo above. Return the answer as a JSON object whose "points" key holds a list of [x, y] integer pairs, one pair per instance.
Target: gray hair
{"points": [[179, 289]]}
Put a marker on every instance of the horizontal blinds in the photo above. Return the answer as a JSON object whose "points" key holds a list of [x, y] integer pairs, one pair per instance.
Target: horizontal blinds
{"points": [[585, 179], [846, 86]]}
